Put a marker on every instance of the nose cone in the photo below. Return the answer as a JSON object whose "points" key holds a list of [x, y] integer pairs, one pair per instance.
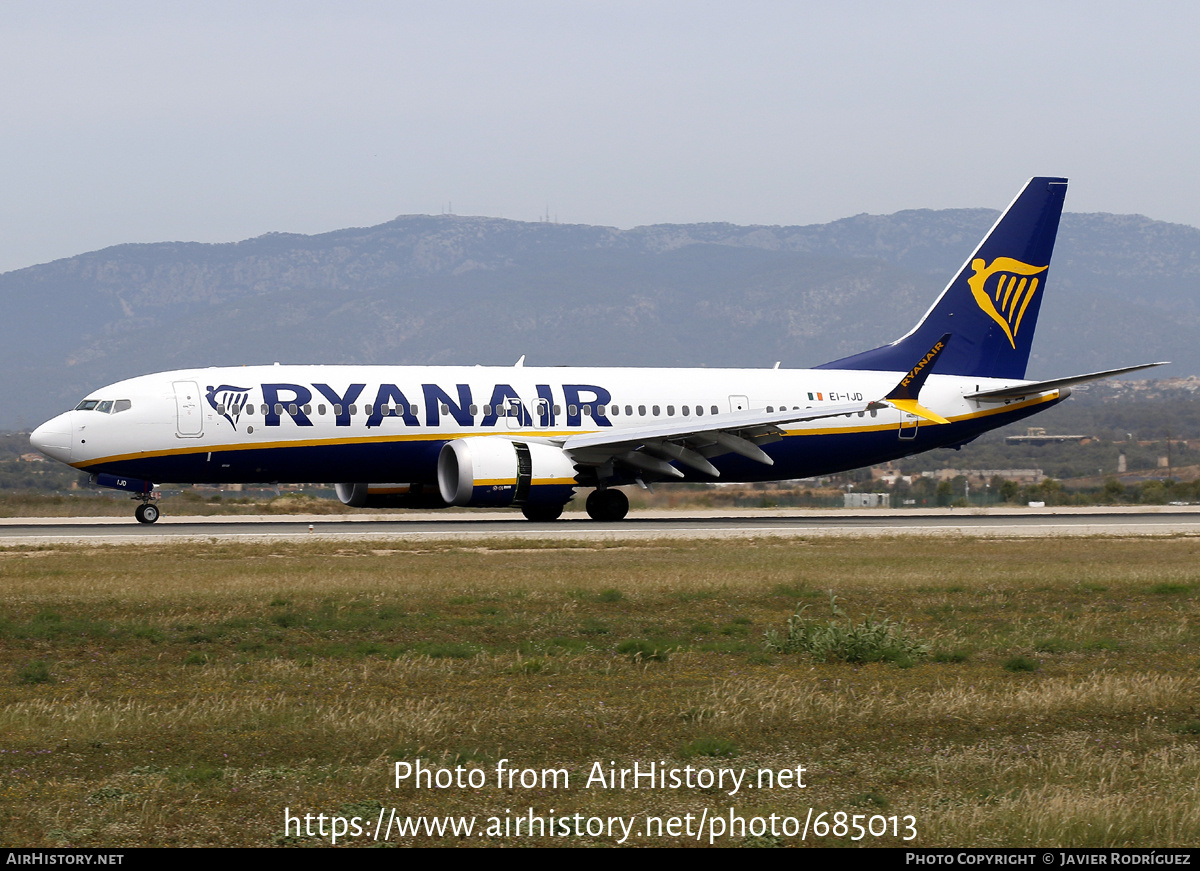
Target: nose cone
{"points": [[55, 438]]}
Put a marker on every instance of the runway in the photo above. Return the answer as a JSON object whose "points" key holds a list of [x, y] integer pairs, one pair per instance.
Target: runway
{"points": [[715, 524]]}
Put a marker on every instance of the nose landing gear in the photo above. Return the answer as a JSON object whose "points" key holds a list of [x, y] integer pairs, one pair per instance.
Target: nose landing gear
{"points": [[143, 491]]}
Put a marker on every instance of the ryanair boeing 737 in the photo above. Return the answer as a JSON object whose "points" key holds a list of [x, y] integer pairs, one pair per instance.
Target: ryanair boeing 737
{"points": [[430, 437]]}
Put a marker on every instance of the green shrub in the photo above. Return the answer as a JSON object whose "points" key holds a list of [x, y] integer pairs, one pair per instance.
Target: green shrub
{"points": [[710, 747], [840, 638], [1020, 664], [641, 650], [34, 673]]}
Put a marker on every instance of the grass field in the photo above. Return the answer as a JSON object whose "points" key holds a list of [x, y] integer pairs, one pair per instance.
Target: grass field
{"points": [[188, 694]]}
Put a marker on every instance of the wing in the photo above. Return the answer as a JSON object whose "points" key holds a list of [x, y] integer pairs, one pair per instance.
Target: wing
{"points": [[652, 447]]}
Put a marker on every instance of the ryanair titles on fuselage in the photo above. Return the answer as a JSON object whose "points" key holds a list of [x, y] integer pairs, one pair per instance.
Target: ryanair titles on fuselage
{"points": [[281, 400]]}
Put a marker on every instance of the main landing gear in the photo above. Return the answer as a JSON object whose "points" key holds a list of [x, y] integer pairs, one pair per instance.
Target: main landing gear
{"points": [[147, 512], [542, 513], [609, 505]]}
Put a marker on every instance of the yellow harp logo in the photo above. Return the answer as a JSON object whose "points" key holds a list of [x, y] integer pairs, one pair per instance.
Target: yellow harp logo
{"points": [[1004, 290]]}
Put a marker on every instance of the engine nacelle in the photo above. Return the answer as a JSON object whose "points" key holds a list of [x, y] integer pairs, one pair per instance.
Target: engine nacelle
{"points": [[495, 471], [389, 495]]}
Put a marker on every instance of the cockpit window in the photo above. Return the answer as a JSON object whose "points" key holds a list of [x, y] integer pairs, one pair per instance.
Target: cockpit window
{"points": [[104, 406]]}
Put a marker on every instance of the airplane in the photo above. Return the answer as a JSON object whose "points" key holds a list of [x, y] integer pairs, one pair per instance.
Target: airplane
{"points": [[527, 437]]}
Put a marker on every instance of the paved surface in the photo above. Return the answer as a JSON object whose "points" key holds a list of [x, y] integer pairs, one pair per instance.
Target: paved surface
{"points": [[996, 523]]}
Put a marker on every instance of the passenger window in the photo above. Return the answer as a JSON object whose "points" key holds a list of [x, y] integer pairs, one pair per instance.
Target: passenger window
{"points": [[321, 408], [600, 410], [445, 409], [714, 410], [265, 410], [615, 411], [572, 410], [279, 408], [220, 409], [474, 410], [558, 409], [292, 409], [487, 409], [587, 411], [670, 411], [414, 410], [656, 411], [770, 408], [367, 409], [642, 410], [699, 410], [629, 411], [308, 409], [122, 405], [685, 411], [353, 410]]}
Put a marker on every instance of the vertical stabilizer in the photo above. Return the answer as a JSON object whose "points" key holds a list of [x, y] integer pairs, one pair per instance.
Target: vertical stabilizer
{"points": [[991, 305]]}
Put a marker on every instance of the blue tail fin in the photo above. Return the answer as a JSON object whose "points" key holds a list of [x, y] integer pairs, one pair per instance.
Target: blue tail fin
{"points": [[991, 306]]}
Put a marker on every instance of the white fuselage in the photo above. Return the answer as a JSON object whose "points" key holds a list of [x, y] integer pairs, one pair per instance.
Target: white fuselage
{"points": [[376, 423]]}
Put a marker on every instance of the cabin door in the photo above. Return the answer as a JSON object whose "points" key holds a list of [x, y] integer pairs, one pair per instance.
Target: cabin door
{"points": [[189, 421]]}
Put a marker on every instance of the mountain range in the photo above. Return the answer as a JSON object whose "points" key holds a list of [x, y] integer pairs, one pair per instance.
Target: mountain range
{"points": [[451, 289]]}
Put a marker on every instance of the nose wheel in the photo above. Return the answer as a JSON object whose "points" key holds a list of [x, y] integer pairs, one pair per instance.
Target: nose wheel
{"points": [[147, 512]]}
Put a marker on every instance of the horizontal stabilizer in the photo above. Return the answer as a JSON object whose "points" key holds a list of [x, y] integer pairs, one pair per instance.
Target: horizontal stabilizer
{"points": [[1022, 390]]}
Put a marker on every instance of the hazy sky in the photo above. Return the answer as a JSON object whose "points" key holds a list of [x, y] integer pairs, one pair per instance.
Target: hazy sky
{"points": [[214, 121]]}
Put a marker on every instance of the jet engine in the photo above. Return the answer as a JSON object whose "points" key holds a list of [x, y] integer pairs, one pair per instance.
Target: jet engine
{"points": [[389, 495], [494, 471]]}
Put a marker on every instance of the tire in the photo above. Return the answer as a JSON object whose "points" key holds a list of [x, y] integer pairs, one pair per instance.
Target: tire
{"points": [[146, 513], [617, 505], [607, 505], [542, 513]]}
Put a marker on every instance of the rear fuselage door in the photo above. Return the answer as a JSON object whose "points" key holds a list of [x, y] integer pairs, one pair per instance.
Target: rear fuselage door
{"points": [[189, 419]]}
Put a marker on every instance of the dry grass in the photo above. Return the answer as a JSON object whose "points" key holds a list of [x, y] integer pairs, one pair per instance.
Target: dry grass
{"points": [[195, 691]]}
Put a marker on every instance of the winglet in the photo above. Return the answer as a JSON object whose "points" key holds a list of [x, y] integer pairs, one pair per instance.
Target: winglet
{"points": [[904, 395]]}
